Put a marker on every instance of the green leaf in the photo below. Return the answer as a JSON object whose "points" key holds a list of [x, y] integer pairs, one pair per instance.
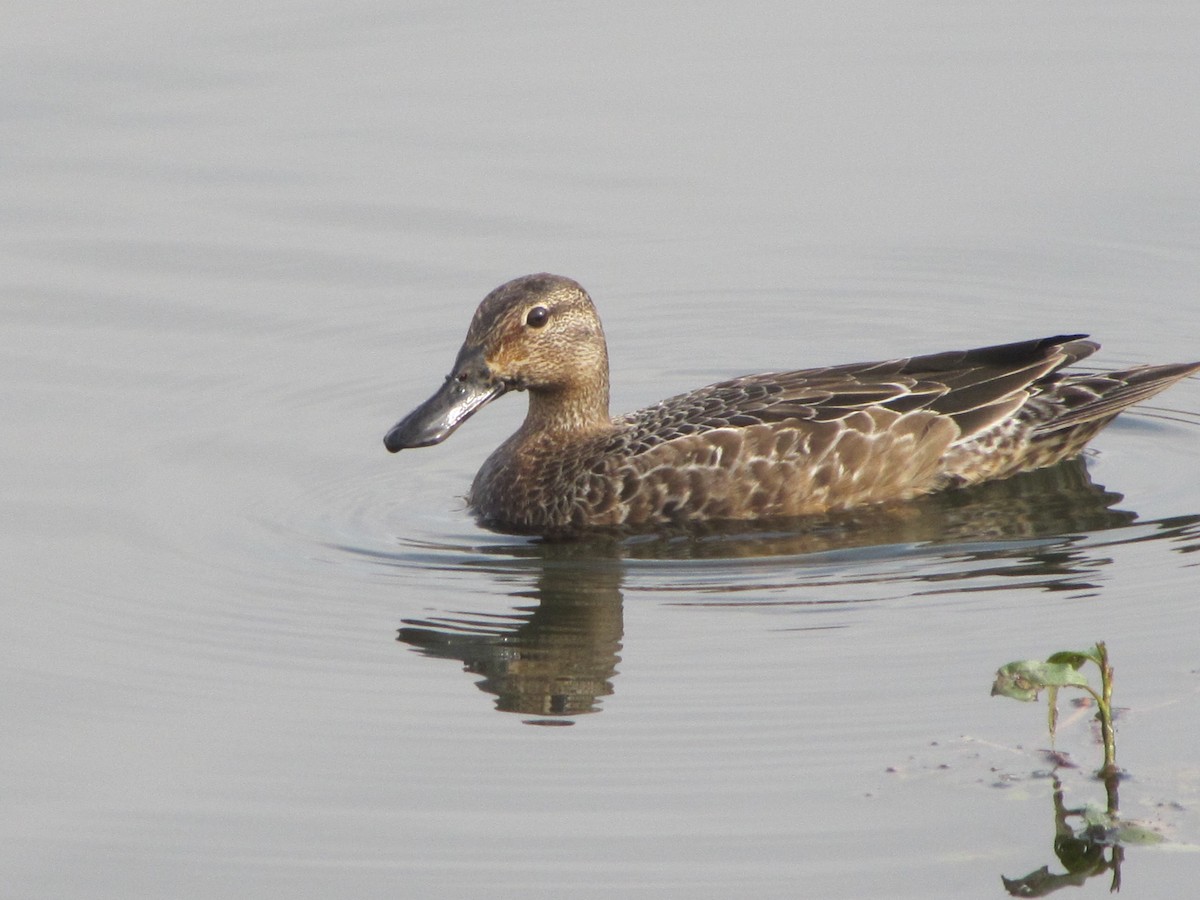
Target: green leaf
{"points": [[1098, 817], [1025, 679], [1137, 834], [1074, 658]]}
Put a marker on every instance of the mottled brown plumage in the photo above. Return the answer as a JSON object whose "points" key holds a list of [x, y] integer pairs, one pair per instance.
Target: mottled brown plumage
{"points": [[765, 446]]}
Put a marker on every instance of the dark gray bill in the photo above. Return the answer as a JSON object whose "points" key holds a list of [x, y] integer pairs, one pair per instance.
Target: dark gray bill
{"points": [[465, 391]]}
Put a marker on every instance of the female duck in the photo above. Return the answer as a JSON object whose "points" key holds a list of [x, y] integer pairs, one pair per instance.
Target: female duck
{"points": [[764, 446]]}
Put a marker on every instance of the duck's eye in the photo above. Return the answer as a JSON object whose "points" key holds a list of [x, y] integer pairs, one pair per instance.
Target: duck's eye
{"points": [[537, 317]]}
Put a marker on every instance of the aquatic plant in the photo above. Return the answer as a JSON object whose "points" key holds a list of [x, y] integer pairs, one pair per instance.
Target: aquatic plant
{"points": [[1097, 844], [1026, 679]]}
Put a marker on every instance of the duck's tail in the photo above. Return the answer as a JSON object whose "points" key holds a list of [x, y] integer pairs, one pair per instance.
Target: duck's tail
{"points": [[1075, 401], [1063, 412]]}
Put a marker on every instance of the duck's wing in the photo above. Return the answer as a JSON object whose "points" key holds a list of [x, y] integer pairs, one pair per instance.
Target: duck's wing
{"points": [[974, 389]]}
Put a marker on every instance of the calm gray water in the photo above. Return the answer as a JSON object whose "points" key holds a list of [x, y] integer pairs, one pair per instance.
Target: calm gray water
{"points": [[248, 653]]}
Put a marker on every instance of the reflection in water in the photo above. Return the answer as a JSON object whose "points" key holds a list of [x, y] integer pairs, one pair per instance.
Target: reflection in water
{"points": [[557, 656], [1093, 849], [554, 658]]}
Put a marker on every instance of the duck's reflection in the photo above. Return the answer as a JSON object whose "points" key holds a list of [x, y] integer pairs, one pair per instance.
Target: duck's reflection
{"points": [[556, 653], [555, 657]]}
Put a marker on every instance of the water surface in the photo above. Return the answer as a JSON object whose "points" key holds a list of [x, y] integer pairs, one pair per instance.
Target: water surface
{"points": [[248, 652]]}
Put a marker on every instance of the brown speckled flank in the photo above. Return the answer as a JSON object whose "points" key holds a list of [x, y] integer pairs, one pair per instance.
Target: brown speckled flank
{"points": [[763, 446]]}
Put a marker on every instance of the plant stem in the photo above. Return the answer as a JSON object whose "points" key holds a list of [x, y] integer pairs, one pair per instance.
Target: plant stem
{"points": [[1105, 712]]}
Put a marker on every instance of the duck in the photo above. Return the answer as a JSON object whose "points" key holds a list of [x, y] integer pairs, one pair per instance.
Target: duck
{"points": [[778, 445]]}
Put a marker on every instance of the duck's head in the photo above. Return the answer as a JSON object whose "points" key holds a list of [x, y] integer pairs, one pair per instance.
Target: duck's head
{"points": [[539, 333]]}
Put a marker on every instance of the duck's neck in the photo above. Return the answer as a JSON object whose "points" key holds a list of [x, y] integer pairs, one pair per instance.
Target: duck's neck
{"points": [[575, 408]]}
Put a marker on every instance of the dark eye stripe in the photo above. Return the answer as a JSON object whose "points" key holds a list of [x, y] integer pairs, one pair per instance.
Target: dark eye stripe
{"points": [[537, 317]]}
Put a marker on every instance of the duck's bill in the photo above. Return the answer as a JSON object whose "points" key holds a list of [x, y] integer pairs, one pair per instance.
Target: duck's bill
{"points": [[435, 419]]}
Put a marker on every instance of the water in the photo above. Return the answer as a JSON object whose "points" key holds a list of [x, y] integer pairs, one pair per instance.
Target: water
{"points": [[249, 652]]}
